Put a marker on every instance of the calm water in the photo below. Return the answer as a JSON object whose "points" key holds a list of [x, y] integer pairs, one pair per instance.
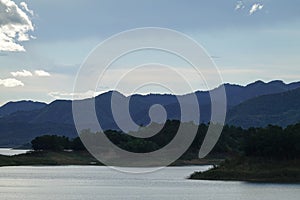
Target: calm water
{"points": [[11, 152], [91, 182]]}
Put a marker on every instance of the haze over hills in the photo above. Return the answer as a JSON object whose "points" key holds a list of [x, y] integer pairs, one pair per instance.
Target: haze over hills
{"points": [[247, 106]]}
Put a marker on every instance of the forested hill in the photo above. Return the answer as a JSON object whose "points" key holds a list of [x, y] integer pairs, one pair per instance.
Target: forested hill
{"points": [[281, 109]]}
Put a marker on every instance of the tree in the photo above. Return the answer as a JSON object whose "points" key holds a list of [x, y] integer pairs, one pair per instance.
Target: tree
{"points": [[50, 142]]}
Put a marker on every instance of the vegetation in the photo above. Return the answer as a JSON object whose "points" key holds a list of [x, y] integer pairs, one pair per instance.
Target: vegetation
{"points": [[230, 142], [273, 142], [51, 149], [253, 169], [49, 158], [56, 143], [270, 154], [51, 142], [255, 154]]}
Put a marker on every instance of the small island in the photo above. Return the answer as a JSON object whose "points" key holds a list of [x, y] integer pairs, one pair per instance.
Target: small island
{"points": [[253, 170], [268, 155]]}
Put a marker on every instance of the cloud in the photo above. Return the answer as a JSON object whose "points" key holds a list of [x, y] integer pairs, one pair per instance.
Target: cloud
{"points": [[41, 73], [239, 5], [11, 82], [23, 73], [14, 26], [25, 7], [72, 95], [255, 7]]}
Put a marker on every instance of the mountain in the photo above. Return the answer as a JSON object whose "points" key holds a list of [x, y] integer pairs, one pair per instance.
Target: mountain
{"points": [[28, 121], [13, 134], [60, 111], [12, 107], [237, 94], [278, 109]]}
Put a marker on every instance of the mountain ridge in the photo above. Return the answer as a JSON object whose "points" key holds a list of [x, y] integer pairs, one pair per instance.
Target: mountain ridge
{"points": [[23, 105], [280, 109], [59, 112]]}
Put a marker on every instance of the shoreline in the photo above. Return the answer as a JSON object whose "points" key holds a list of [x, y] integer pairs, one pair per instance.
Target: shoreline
{"points": [[84, 158], [255, 170]]}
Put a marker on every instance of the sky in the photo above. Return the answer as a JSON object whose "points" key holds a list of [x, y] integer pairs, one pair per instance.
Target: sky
{"points": [[44, 43]]}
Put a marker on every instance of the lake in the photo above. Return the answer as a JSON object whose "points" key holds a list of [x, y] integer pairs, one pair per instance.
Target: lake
{"points": [[98, 182], [11, 152]]}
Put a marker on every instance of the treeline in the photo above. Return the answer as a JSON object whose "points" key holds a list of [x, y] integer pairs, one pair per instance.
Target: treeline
{"points": [[272, 141], [56, 143]]}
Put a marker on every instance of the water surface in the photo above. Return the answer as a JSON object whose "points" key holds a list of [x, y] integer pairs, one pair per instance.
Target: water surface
{"points": [[11, 152], [93, 182]]}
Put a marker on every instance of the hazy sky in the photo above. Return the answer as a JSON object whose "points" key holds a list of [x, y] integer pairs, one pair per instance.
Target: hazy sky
{"points": [[43, 43]]}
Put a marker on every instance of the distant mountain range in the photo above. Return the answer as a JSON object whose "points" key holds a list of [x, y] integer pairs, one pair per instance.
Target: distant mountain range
{"points": [[280, 109], [257, 104], [12, 107]]}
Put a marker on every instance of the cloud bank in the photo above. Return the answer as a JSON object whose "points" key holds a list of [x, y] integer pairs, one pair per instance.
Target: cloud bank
{"points": [[10, 82], [23, 73], [15, 25]]}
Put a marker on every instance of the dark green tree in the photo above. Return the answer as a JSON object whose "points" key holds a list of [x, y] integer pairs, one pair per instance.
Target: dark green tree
{"points": [[51, 142]]}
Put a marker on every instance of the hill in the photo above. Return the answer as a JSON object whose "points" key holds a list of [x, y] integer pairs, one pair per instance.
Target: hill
{"points": [[237, 94], [12, 107], [279, 109]]}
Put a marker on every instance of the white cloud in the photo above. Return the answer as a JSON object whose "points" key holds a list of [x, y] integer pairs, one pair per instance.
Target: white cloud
{"points": [[14, 26], [23, 73], [11, 82], [72, 95], [41, 73], [25, 7], [255, 7], [239, 5]]}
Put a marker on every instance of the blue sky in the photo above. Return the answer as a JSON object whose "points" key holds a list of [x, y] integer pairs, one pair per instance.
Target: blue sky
{"points": [[248, 40]]}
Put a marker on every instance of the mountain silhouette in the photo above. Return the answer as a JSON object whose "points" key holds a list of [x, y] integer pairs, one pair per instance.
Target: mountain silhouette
{"points": [[280, 109], [250, 105]]}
